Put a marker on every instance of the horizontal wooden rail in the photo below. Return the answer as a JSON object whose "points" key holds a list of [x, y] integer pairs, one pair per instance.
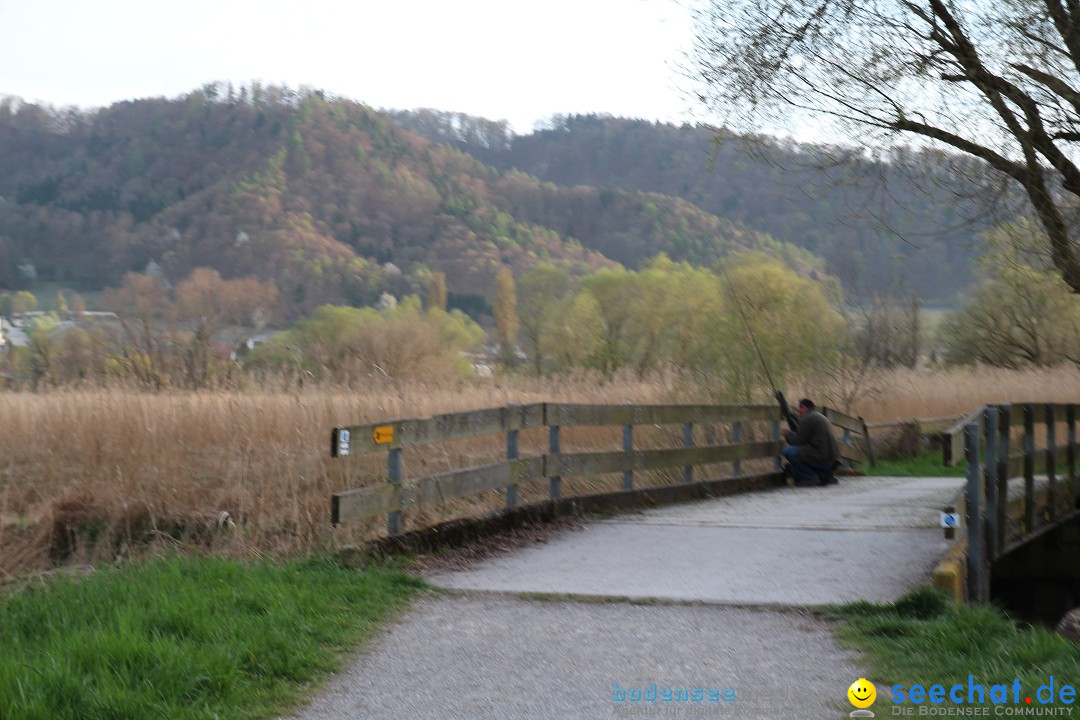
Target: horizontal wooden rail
{"points": [[605, 462], [568, 415], [394, 434], [843, 420], [386, 497]]}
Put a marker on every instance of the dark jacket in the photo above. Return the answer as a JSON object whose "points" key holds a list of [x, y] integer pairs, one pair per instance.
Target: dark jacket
{"points": [[815, 439]]}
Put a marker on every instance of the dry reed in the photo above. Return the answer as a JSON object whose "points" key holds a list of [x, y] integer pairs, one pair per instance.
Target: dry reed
{"points": [[910, 394], [90, 474]]}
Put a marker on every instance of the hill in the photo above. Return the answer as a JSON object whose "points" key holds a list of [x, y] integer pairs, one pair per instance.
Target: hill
{"points": [[901, 224], [331, 200]]}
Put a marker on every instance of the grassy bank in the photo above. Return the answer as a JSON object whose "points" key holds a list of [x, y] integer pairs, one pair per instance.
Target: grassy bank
{"points": [[185, 638], [924, 640], [929, 465]]}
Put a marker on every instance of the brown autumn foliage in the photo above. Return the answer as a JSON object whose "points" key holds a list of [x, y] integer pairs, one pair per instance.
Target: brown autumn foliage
{"points": [[314, 193]]}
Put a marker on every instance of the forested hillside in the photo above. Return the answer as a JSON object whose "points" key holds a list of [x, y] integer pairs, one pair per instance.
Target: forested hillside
{"points": [[876, 228], [329, 199]]}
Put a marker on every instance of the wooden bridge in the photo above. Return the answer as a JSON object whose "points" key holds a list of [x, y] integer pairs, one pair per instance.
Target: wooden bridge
{"points": [[1021, 483]]}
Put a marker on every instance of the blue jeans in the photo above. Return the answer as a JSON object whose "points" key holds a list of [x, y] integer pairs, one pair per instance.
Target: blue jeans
{"points": [[805, 471]]}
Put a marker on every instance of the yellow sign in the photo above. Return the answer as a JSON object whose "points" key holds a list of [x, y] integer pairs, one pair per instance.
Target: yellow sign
{"points": [[383, 434]]}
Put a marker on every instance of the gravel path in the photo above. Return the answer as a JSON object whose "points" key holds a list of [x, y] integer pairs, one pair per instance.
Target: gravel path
{"points": [[481, 657], [487, 653]]}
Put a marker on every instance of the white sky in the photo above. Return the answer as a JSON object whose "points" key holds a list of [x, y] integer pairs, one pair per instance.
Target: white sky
{"points": [[499, 59]]}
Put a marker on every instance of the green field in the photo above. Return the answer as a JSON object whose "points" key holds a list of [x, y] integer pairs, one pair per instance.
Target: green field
{"points": [[929, 465]]}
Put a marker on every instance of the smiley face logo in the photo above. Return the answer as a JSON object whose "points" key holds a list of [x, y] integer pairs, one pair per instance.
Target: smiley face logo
{"points": [[862, 693]]}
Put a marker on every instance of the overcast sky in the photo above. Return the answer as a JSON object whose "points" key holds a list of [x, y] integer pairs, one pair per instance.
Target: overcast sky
{"points": [[499, 59]]}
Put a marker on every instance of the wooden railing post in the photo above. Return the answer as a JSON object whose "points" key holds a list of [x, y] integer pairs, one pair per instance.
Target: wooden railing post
{"points": [[688, 442], [736, 438], [1005, 430], [976, 552], [1051, 462], [1029, 467], [511, 453], [628, 447], [866, 442], [393, 471], [1070, 453], [990, 485], [553, 449]]}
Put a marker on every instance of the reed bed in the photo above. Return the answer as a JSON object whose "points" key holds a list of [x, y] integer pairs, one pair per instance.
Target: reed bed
{"points": [[87, 475], [910, 394]]}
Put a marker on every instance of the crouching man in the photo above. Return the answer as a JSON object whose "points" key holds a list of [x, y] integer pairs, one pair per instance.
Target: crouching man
{"points": [[811, 452]]}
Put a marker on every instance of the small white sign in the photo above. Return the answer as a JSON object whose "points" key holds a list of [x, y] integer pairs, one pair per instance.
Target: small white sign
{"points": [[950, 520], [343, 443]]}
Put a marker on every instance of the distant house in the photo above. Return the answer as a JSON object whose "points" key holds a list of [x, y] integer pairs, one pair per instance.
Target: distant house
{"points": [[250, 343], [16, 336]]}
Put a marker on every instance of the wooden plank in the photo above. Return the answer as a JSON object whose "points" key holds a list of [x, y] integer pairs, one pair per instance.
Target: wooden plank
{"points": [[1018, 416], [1042, 530], [868, 445], [458, 483], [569, 414], [410, 432], [655, 459], [594, 463], [953, 438], [843, 420], [607, 462], [360, 503], [852, 452]]}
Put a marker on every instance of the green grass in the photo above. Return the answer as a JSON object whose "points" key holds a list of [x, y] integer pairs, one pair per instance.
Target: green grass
{"points": [[185, 638], [929, 465], [924, 639]]}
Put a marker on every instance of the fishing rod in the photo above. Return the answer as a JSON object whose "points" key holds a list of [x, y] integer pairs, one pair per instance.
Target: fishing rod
{"points": [[791, 418]]}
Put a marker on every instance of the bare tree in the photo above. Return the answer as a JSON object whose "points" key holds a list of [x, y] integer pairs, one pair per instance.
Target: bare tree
{"points": [[997, 81]]}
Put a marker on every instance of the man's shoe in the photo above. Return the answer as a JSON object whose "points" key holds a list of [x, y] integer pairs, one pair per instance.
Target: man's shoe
{"points": [[829, 479]]}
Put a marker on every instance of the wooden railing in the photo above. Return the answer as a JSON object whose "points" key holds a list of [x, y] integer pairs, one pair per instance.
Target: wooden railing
{"points": [[394, 436], [1002, 514]]}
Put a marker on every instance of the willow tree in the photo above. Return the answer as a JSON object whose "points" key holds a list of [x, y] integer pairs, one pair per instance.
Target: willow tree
{"points": [[996, 81]]}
